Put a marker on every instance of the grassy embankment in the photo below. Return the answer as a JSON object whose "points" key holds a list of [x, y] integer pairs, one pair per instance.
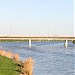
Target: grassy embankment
{"points": [[28, 40], [13, 40], [8, 66]]}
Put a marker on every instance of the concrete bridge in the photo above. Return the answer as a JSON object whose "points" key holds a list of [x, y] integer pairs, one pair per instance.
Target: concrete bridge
{"points": [[39, 38]]}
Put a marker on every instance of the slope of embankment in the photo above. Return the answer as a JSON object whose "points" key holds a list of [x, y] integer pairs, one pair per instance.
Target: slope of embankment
{"points": [[8, 66]]}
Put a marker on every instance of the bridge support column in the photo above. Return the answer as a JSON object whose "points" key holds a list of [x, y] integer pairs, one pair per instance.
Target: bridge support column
{"points": [[29, 43], [66, 43]]}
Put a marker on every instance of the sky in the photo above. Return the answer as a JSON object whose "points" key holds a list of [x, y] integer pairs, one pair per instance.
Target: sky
{"points": [[37, 17]]}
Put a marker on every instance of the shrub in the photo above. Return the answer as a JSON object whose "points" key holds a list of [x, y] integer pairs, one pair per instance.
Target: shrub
{"points": [[2, 53], [28, 66], [16, 57], [9, 55]]}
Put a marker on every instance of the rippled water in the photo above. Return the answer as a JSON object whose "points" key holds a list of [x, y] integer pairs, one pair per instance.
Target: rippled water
{"points": [[51, 58]]}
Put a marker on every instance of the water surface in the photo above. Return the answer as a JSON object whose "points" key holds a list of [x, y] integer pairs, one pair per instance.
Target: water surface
{"points": [[51, 58]]}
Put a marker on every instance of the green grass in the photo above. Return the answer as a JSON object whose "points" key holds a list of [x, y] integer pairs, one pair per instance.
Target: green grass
{"points": [[8, 66], [13, 40]]}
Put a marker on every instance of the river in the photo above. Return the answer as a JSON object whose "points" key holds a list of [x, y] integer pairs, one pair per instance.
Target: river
{"points": [[51, 58]]}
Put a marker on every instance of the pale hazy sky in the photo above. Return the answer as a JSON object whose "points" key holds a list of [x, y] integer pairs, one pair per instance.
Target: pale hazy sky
{"points": [[37, 17]]}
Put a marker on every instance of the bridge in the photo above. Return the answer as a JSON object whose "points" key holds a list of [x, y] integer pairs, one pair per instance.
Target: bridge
{"points": [[40, 38]]}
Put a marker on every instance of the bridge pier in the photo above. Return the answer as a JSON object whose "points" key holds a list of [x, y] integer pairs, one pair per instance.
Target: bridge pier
{"points": [[66, 43], [29, 43]]}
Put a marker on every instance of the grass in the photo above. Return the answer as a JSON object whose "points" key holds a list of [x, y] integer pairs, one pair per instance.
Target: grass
{"points": [[26, 40], [8, 66], [13, 40]]}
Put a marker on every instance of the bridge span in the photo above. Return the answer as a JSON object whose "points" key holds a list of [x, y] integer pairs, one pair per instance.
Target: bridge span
{"points": [[39, 38]]}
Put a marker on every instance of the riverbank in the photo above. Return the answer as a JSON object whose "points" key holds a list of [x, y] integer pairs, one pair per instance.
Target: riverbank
{"points": [[11, 65], [13, 40], [31, 40], [8, 66]]}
